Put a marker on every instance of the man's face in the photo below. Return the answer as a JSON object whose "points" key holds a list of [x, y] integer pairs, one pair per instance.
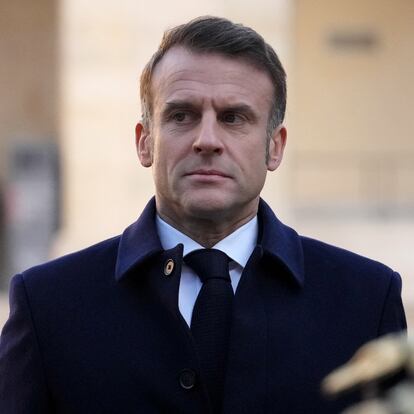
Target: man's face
{"points": [[207, 138]]}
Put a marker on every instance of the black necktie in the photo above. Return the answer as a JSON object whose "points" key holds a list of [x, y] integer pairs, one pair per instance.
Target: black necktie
{"points": [[211, 320]]}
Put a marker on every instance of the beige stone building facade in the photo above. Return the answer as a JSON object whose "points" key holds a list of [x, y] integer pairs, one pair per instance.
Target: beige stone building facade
{"points": [[69, 76]]}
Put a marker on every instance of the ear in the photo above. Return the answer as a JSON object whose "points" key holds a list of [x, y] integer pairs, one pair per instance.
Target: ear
{"points": [[276, 147], [143, 143]]}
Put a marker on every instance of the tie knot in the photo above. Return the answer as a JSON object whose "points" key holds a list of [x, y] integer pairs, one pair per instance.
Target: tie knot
{"points": [[209, 264]]}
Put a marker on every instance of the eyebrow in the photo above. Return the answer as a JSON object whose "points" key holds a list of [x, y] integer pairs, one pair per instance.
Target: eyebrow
{"points": [[237, 107], [244, 109], [179, 104]]}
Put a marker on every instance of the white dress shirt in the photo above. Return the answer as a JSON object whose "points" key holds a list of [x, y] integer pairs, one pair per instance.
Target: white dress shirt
{"points": [[239, 245]]}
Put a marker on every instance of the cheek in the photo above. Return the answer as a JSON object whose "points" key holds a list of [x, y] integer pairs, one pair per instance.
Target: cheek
{"points": [[256, 168], [167, 164], [253, 158], [161, 154]]}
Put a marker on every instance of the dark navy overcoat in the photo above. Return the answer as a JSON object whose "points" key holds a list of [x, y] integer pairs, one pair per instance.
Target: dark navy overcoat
{"points": [[99, 331]]}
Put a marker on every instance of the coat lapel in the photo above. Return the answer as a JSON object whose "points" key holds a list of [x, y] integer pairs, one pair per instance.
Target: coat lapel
{"points": [[277, 255], [247, 354]]}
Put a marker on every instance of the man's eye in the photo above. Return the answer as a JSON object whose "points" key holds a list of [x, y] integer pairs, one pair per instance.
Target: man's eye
{"points": [[182, 117], [179, 116], [231, 118]]}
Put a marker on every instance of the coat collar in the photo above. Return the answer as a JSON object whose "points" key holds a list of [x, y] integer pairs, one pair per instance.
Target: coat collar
{"points": [[140, 242], [281, 243]]}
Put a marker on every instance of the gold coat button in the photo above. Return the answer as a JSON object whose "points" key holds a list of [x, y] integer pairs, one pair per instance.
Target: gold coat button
{"points": [[169, 267]]}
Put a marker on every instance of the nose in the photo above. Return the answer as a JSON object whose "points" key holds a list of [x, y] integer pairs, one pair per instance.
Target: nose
{"points": [[208, 139]]}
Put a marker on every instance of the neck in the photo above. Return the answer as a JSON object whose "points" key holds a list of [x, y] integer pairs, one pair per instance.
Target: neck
{"points": [[206, 231]]}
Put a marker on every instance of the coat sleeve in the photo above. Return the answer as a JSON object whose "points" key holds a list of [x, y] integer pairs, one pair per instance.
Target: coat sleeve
{"points": [[393, 315], [22, 380]]}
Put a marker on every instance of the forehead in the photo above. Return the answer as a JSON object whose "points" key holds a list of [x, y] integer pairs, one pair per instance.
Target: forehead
{"points": [[182, 73]]}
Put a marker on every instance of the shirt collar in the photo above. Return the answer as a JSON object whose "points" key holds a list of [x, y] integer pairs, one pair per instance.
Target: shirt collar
{"points": [[238, 245], [140, 242]]}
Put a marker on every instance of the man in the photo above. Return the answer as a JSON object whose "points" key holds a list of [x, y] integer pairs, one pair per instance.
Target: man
{"points": [[121, 326]]}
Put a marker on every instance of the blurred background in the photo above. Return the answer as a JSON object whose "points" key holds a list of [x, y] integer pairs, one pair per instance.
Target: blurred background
{"points": [[69, 72]]}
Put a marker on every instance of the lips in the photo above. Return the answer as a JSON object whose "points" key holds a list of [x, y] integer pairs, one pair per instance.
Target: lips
{"points": [[208, 172]]}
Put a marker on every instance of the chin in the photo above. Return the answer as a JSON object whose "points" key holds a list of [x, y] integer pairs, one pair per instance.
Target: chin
{"points": [[208, 208]]}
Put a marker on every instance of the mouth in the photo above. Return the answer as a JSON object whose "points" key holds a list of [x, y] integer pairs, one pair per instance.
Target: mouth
{"points": [[208, 173]]}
